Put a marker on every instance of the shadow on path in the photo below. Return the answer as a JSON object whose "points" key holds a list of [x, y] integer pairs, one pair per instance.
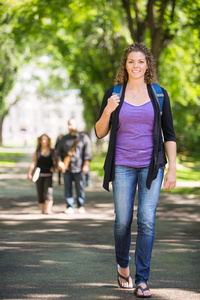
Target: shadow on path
{"points": [[72, 256]]}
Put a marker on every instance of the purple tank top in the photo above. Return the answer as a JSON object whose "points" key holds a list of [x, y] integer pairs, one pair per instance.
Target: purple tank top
{"points": [[134, 140]]}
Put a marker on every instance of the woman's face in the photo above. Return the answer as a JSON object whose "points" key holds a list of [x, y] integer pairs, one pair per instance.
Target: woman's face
{"points": [[136, 65], [44, 140]]}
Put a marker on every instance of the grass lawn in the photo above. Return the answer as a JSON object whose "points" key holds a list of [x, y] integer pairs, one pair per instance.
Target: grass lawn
{"points": [[9, 159], [188, 169]]}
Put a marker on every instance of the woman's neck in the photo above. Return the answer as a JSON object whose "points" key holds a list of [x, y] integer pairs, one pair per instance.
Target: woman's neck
{"points": [[44, 148], [136, 85]]}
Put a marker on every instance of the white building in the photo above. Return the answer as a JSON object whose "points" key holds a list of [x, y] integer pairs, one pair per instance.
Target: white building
{"points": [[30, 117]]}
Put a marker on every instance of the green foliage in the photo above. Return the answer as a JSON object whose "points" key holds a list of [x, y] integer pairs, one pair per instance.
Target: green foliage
{"points": [[179, 74], [8, 58], [97, 163], [96, 49], [87, 38]]}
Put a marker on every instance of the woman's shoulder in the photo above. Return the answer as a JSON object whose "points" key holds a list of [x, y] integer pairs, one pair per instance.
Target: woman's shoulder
{"points": [[162, 88]]}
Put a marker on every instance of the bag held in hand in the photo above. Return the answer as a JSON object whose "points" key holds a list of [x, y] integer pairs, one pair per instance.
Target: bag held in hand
{"points": [[67, 158]]}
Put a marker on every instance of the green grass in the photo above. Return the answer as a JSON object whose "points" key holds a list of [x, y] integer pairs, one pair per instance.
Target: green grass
{"points": [[97, 163], [185, 191], [10, 163], [188, 170], [188, 174], [11, 154], [9, 159]]}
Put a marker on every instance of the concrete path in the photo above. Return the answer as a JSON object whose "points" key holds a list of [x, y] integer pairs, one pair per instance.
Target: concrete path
{"points": [[72, 256]]}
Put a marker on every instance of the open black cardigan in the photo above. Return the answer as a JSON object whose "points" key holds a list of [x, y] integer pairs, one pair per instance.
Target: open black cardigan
{"points": [[162, 124]]}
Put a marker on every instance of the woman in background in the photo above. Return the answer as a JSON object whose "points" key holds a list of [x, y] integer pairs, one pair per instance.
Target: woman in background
{"points": [[43, 158]]}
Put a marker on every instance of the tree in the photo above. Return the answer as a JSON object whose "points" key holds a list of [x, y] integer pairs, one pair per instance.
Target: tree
{"points": [[165, 26], [88, 38], [8, 64]]}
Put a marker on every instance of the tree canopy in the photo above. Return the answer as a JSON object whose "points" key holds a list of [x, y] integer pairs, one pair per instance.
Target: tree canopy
{"points": [[87, 38]]}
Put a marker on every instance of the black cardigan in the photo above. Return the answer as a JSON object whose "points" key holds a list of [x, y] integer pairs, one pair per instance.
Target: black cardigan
{"points": [[164, 122]]}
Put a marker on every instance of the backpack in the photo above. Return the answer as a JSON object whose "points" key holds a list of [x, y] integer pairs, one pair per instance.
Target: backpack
{"points": [[156, 90]]}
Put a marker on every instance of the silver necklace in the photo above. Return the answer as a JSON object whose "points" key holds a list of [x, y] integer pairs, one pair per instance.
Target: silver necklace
{"points": [[132, 93], [134, 96]]}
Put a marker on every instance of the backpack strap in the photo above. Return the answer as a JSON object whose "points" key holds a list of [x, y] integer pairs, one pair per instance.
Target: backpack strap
{"points": [[118, 90], [155, 87], [159, 95]]}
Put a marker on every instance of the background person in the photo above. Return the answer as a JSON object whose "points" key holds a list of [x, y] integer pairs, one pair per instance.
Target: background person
{"points": [[79, 164], [43, 158], [136, 158], [56, 146]]}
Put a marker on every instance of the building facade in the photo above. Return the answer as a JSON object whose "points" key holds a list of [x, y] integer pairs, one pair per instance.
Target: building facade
{"points": [[30, 117]]}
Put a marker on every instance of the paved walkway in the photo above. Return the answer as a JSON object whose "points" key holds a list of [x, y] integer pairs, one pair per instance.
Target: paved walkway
{"points": [[72, 256]]}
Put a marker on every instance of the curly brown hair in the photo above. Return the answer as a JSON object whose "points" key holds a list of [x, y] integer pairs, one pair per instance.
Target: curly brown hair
{"points": [[40, 138], [122, 74]]}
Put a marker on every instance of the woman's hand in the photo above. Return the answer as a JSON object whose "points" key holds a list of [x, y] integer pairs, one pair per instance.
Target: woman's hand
{"points": [[170, 177], [169, 182], [52, 170], [61, 166], [29, 177], [102, 125], [113, 103]]}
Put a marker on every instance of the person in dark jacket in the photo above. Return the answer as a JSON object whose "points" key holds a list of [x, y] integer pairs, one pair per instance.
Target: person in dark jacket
{"points": [[136, 159], [44, 158], [79, 164]]}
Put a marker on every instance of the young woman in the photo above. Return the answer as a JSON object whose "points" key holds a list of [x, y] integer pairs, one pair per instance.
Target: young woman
{"points": [[43, 158], [136, 158]]}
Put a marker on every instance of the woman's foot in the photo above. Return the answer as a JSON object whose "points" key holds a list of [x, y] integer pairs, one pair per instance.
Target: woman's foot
{"points": [[48, 204], [142, 291], [41, 205], [124, 278]]}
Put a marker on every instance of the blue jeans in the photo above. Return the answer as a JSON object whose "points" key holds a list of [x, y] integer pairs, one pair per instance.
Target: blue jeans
{"points": [[78, 179], [124, 189]]}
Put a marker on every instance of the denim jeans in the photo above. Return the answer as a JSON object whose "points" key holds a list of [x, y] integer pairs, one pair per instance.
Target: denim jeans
{"points": [[78, 179], [124, 189]]}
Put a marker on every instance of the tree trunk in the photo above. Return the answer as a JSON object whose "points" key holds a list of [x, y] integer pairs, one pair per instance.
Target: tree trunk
{"points": [[1, 129], [154, 21]]}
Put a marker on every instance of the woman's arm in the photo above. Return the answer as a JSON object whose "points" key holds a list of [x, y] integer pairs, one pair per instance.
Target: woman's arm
{"points": [[32, 166], [102, 125], [170, 177]]}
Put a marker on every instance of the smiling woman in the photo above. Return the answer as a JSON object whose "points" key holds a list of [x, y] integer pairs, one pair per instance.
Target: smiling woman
{"points": [[136, 159]]}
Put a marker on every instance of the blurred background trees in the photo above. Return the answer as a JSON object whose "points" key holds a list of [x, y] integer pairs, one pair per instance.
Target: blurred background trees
{"points": [[87, 38]]}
